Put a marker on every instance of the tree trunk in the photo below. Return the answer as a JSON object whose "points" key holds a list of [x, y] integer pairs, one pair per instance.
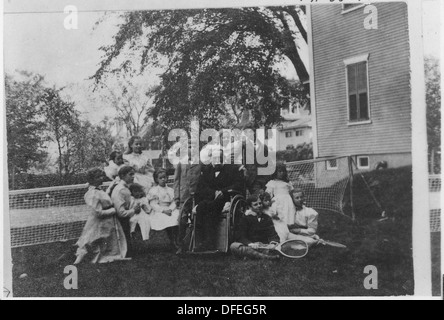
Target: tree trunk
{"points": [[432, 161], [13, 177], [293, 55], [294, 14], [60, 155], [291, 50]]}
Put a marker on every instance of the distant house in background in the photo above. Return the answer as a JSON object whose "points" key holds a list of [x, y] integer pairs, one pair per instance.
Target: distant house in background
{"points": [[295, 129], [360, 84]]}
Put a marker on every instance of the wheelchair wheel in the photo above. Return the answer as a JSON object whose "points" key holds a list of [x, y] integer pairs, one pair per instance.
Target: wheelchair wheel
{"points": [[186, 225], [238, 208]]}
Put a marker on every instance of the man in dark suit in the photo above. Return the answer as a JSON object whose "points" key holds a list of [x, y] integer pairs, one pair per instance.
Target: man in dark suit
{"points": [[216, 185]]}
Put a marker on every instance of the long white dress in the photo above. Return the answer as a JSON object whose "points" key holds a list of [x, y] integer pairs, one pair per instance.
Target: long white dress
{"points": [[102, 235], [162, 198], [282, 201], [279, 225], [144, 170]]}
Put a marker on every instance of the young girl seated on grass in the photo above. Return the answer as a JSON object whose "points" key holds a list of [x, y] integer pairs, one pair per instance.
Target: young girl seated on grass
{"points": [[100, 236], [279, 225], [138, 197], [305, 221], [165, 215]]}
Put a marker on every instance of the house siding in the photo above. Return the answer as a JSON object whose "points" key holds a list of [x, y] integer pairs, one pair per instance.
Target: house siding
{"points": [[337, 37]]}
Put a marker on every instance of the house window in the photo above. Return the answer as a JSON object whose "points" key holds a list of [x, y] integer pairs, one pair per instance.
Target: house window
{"points": [[288, 134], [299, 133], [363, 163], [357, 89], [332, 164]]}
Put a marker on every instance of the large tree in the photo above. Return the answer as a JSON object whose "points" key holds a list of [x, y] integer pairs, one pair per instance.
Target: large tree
{"points": [[130, 100], [24, 122], [63, 123], [217, 62], [91, 146]]}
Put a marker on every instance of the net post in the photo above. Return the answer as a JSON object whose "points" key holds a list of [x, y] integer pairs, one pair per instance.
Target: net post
{"points": [[350, 166]]}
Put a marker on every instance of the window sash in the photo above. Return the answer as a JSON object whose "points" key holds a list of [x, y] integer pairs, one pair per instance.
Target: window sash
{"points": [[332, 164], [357, 77], [363, 162]]}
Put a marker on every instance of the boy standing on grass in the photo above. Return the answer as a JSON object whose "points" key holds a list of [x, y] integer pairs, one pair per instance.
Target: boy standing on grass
{"points": [[255, 229]]}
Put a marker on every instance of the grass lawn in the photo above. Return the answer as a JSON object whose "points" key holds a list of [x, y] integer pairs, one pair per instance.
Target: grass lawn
{"points": [[157, 272]]}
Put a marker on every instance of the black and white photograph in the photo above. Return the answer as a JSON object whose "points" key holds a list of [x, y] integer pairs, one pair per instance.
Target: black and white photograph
{"points": [[258, 149]]}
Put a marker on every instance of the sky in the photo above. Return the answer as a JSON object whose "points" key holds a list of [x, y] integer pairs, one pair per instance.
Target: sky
{"points": [[36, 40]]}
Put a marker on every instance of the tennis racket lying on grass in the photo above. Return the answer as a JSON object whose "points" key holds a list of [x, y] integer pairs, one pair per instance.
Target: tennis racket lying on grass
{"points": [[293, 249], [322, 241], [328, 243]]}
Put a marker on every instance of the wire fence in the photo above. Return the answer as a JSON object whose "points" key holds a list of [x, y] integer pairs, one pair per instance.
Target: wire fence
{"points": [[46, 215]]}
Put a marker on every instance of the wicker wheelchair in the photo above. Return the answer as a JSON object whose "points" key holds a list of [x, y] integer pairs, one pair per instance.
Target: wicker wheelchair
{"points": [[227, 223]]}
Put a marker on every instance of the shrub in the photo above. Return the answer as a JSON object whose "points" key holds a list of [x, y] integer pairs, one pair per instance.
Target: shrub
{"points": [[391, 187], [31, 181], [301, 152]]}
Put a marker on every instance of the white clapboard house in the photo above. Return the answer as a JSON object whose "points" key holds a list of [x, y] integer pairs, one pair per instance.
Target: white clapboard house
{"points": [[360, 84]]}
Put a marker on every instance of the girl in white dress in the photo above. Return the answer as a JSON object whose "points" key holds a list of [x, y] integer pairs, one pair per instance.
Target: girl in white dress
{"points": [[280, 190], [165, 215], [139, 160], [279, 225], [115, 163], [142, 219]]}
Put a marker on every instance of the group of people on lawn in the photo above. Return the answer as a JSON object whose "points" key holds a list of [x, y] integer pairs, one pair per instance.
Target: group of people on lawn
{"points": [[139, 200]]}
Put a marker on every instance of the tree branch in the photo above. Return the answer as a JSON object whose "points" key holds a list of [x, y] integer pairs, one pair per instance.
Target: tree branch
{"points": [[293, 13]]}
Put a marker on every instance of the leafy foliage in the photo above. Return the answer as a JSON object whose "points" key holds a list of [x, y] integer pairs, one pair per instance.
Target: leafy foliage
{"points": [[63, 124], [38, 116], [90, 147], [24, 123], [433, 101], [218, 62], [130, 100], [301, 152], [31, 181]]}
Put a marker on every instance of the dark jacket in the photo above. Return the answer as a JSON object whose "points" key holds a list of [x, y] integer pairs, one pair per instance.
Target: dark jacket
{"points": [[252, 230], [229, 178]]}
